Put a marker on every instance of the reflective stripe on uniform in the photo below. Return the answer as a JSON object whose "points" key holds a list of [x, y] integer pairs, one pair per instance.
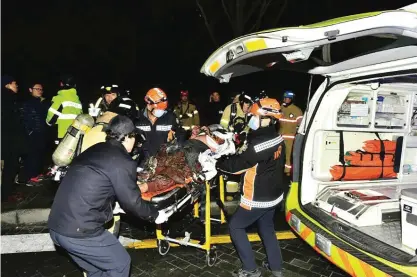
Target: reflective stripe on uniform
{"points": [[71, 104], [288, 166], [190, 114], [163, 128], [300, 117], [126, 99], [195, 112], [258, 204], [267, 144], [288, 136], [124, 106], [144, 128], [61, 115], [288, 120], [186, 127]]}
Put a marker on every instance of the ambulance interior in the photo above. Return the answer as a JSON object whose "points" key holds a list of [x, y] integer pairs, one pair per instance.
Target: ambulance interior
{"points": [[361, 155]]}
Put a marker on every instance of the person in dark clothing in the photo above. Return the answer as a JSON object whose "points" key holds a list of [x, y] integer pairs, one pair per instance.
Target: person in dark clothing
{"points": [[158, 124], [34, 111], [115, 100], [262, 188], [214, 110], [12, 135], [84, 202]]}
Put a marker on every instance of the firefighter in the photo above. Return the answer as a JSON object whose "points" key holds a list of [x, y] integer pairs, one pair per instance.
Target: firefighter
{"points": [[288, 124], [159, 124], [236, 116], [115, 100], [186, 112], [262, 167], [65, 106]]}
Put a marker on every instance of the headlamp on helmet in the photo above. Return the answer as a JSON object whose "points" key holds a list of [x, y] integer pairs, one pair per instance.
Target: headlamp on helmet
{"points": [[110, 89]]}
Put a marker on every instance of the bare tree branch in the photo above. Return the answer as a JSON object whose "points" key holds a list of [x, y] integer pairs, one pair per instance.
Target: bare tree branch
{"points": [[280, 13], [262, 11], [254, 6], [209, 29], [238, 18], [226, 11]]}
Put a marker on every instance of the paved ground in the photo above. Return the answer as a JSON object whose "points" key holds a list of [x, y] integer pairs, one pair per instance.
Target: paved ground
{"points": [[299, 260]]}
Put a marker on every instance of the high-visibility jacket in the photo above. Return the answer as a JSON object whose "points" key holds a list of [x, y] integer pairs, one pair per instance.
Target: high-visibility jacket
{"points": [[234, 119], [64, 109], [187, 114], [288, 123]]}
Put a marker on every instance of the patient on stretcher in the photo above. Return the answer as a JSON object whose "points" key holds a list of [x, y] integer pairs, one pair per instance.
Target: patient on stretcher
{"points": [[176, 165]]}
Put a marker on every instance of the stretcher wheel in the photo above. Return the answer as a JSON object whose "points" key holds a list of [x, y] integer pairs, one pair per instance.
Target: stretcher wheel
{"points": [[211, 257], [163, 247]]}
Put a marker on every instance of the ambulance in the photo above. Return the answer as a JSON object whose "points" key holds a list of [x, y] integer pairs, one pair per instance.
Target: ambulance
{"points": [[353, 195]]}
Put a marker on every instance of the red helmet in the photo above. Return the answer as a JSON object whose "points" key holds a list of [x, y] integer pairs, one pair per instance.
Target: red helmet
{"points": [[184, 93], [157, 98]]}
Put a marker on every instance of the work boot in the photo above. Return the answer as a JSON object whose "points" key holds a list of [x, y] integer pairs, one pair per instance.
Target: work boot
{"points": [[35, 181], [246, 273], [275, 273]]}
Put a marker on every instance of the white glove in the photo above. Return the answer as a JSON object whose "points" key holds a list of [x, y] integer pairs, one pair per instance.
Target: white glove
{"points": [[118, 210], [94, 112], [208, 164], [163, 215]]}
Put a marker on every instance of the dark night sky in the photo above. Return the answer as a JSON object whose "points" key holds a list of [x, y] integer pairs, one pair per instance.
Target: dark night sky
{"points": [[139, 43]]}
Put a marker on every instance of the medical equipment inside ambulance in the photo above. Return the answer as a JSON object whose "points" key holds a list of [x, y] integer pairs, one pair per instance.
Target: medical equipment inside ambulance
{"points": [[366, 167]]}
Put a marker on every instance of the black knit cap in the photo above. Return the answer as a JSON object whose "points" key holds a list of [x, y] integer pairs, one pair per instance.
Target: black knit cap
{"points": [[121, 125]]}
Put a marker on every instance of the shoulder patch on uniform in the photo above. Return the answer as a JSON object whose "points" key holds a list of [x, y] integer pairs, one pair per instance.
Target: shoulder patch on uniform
{"points": [[277, 153]]}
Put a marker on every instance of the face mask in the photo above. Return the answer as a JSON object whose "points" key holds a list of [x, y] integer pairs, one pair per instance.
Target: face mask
{"points": [[254, 123], [158, 113]]}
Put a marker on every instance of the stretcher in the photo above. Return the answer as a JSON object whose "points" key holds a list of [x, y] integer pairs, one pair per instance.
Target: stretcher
{"points": [[177, 198]]}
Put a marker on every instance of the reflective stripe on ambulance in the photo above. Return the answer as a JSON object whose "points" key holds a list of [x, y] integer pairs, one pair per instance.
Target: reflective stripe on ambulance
{"points": [[339, 257]]}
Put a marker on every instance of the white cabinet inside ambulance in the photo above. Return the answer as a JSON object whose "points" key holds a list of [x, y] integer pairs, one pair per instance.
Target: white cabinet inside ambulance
{"points": [[353, 195]]}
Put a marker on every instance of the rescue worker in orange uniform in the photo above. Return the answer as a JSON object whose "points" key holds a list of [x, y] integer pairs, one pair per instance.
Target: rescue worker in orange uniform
{"points": [[288, 124], [159, 124], [262, 167]]}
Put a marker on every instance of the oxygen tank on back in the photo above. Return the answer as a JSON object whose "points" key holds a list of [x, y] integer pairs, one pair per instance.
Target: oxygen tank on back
{"points": [[65, 151]]}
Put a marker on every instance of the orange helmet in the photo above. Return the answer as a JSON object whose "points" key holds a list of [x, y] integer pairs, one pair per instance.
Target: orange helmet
{"points": [[267, 107], [157, 98]]}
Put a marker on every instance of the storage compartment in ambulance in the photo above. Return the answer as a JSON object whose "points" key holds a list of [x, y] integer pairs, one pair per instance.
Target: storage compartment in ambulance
{"points": [[364, 157], [355, 152]]}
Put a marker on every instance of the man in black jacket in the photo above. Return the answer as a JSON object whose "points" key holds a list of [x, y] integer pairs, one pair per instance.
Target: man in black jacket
{"points": [[34, 111], [214, 110], [12, 135], [84, 202], [262, 187]]}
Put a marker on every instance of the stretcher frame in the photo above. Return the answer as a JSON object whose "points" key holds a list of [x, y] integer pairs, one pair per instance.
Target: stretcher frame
{"points": [[164, 241]]}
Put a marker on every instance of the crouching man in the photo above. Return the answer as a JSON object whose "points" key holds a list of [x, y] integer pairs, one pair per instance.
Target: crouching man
{"points": [[84, 202]]}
